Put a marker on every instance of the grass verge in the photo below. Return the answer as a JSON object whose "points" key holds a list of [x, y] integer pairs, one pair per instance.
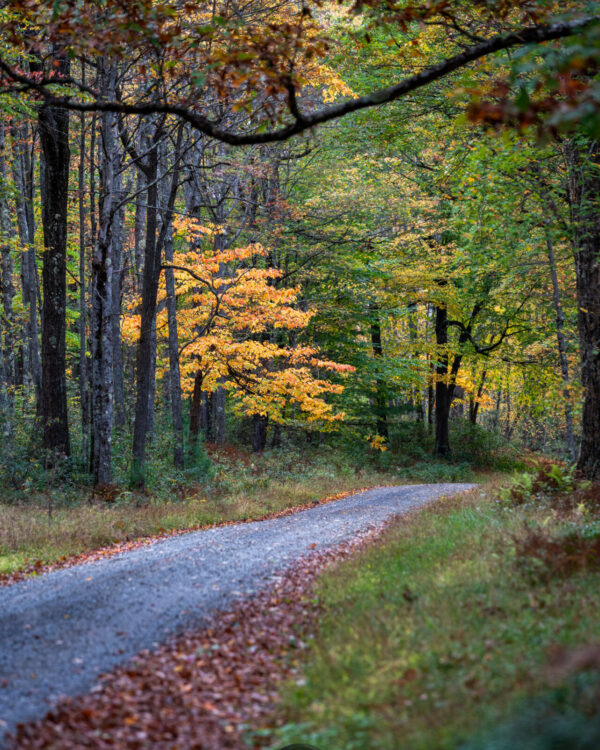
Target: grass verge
{"points": [[444, 630]]}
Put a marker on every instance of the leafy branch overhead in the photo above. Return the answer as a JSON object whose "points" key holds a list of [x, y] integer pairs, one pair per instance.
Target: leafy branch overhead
{"points": [[266, 66]]}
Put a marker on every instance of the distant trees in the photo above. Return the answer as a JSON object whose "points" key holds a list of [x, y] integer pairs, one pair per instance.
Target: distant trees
{"points": [[177, 103]]}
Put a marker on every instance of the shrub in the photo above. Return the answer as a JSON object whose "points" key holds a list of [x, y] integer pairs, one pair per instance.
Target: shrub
{"points": [[542, 554], [547, 481], [566, 718]]}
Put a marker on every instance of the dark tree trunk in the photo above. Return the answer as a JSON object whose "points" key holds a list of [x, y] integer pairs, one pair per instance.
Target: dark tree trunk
{"points": [[139, 229], [174, 374], [102, 305], [151, 273], [584, 193], [8, 290], [83, 364], [380, 385], [195, 414], [446, 374], [562, 348], [443, 398], [474, 402], [152, 385], [23, 170], [259, 432], [206, 416], [146, 359], [53, 124], [117, 279], [218, 415]]}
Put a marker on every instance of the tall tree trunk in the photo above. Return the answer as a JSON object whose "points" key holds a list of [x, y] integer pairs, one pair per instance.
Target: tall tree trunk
{"points": [[380, 385], [139, 229], [474, 402], [584, 193], [443, 397], [195, 414], [218, 401], [144, 369], [23, 170], [174, 374], [83, 364], [53, 124], [446, 374], [102, 269], [259, 432], [117, 276], [150, 431], [146, 359], [507, 426], [8, 291], [413, 332], [562, 348], [206, 416]]}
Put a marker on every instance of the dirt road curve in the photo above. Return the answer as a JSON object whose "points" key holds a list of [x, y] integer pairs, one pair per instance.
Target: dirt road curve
{"points": [[60, 631]]}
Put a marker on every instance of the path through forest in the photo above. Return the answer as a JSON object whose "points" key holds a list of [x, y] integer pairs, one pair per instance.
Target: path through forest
{"points": [[60, 631]]}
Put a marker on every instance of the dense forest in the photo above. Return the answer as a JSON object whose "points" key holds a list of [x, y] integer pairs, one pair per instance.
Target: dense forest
{"points": [[300, 374], [261, 223]]}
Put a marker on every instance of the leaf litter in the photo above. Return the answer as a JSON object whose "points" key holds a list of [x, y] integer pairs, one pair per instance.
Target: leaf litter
{"points": [[203, 690]]}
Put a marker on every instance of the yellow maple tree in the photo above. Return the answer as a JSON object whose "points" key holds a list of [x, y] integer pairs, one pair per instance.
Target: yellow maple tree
{"points": [[233, 325]]}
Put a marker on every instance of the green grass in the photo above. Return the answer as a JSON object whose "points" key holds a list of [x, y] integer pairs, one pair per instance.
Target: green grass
{"points": [[433, 635]]}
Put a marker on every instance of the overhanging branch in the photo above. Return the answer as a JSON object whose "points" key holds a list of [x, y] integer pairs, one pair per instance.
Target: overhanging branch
{"points": [[305, 121]]}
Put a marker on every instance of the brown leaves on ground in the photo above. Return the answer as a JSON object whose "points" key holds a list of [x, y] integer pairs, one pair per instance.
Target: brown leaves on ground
{"points": [[543, 554], [565, 662], [204, 689]]}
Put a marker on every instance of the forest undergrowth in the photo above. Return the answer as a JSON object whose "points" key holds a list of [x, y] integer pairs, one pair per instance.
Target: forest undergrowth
{"points": [[481, 617]]}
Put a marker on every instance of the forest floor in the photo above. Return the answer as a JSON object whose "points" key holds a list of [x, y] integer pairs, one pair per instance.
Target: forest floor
{"points": [[60, 631]]}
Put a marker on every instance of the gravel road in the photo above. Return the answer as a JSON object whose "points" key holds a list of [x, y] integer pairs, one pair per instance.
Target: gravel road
{"points": [[60, 631]]}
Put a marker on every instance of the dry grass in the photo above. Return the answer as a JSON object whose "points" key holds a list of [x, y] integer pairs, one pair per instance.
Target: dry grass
{"points": [[38, 532]]}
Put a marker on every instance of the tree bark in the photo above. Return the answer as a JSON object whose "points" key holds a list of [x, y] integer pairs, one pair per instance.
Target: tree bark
{"points": [[259, 432], [584, 193], [53, 122], [117, 277], [83, 363], [102, 307], [443, 398], [446, 374], [152, 267], [380, 385], [562, 349], [23, 170], [174, 373], [195, 414], [150, 276], [218, 415], [474, 402], [8, 290]]}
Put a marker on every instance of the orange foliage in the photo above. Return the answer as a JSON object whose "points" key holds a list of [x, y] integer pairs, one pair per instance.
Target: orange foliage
{"points": [[234, 324]]}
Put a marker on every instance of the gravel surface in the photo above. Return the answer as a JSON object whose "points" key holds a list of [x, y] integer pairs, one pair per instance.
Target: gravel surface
{"points": [[60, 631]]}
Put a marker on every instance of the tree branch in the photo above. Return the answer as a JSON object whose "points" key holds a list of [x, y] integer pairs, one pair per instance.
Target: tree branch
{"points": [[305, 121]]}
